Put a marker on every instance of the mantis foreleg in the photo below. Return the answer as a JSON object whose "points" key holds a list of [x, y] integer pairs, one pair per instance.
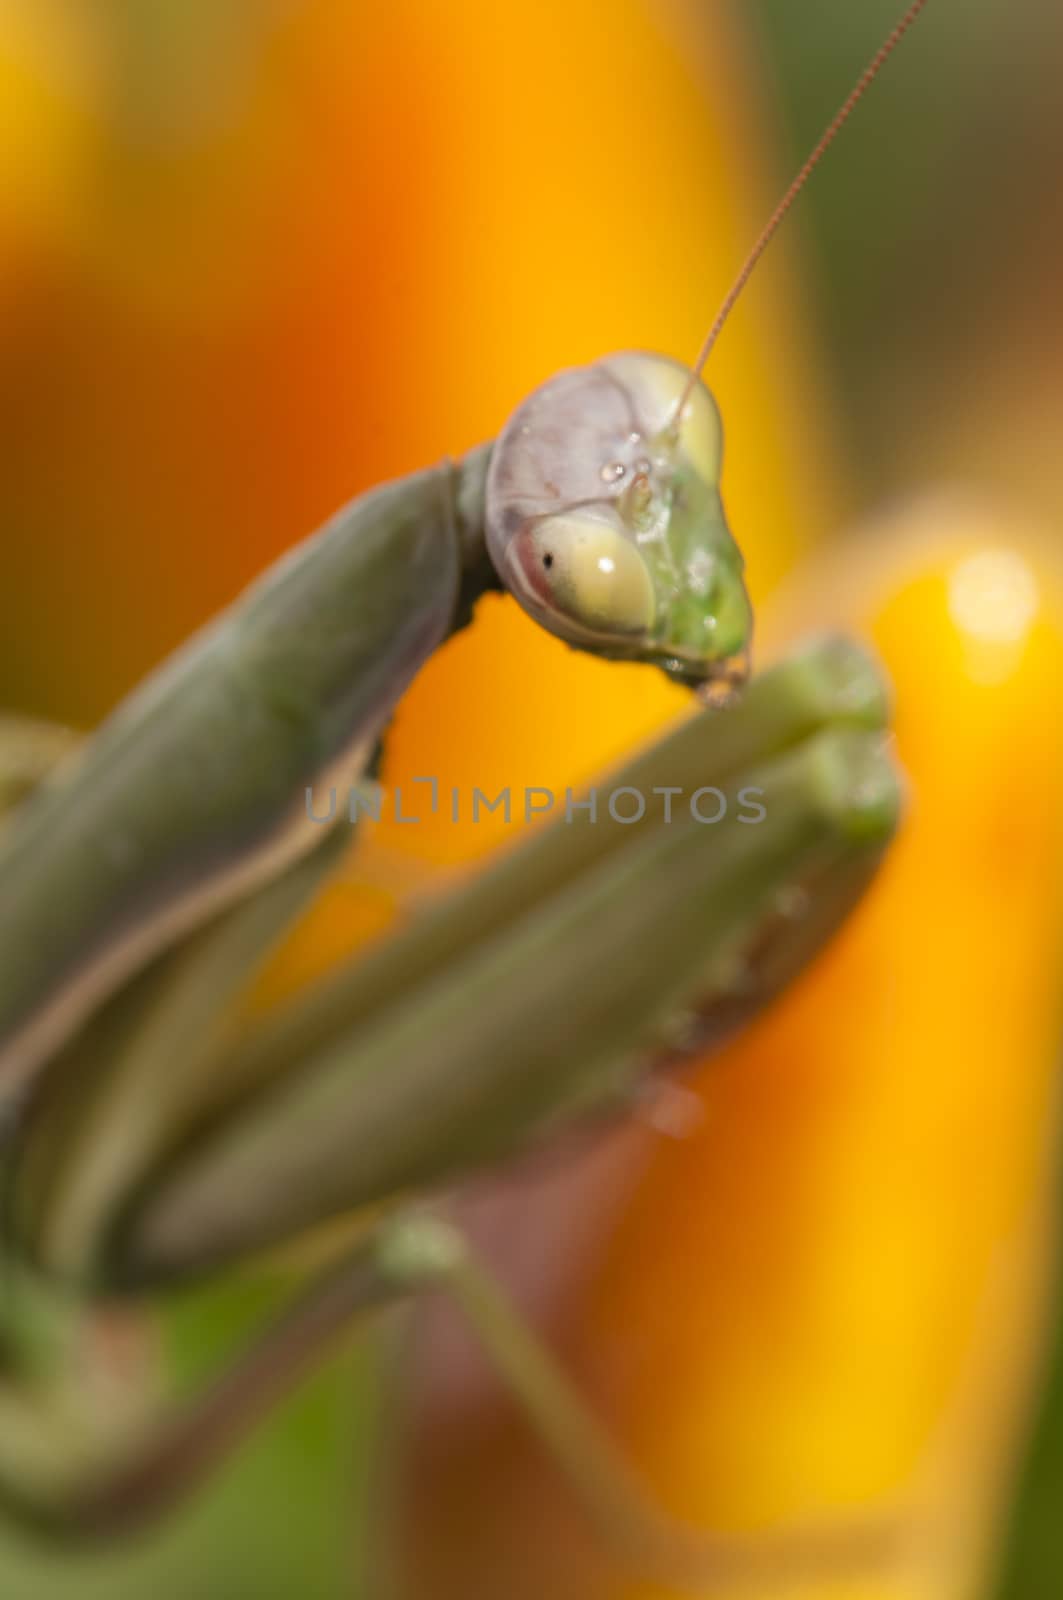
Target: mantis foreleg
{"points": [[542, 993], [193, 793], [126, 1087]]}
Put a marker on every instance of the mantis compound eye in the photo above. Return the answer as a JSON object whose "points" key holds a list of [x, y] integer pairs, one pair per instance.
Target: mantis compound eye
{"points": [[582, 570], [604, 519]]}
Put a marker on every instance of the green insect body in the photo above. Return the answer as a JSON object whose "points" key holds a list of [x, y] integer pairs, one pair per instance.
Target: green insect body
{"points": [[540, 996], [544, 993], [146, 874], [150, 871], [194, 792], [145, 879], [527, 1023]]}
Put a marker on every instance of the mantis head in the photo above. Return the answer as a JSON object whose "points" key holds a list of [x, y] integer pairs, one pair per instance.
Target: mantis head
{"points": [[603, 511], [604, 519]]}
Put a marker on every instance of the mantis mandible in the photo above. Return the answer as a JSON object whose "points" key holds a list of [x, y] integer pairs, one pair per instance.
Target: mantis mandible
{"points": [[146, 873]]}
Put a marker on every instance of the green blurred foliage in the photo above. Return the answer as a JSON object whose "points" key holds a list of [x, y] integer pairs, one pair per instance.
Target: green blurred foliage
{"points": [[1031, 1564], [934, 233], [282, 1518]]}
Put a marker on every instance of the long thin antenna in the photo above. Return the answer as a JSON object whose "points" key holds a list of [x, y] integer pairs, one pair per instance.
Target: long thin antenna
{"points": [[860, 88]]}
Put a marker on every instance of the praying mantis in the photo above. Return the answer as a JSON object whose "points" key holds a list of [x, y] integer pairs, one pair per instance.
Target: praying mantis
{"points": [[147, 872]]}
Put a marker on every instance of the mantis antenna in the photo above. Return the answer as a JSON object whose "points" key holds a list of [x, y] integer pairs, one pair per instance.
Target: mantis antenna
{"points": [[771, 227]]}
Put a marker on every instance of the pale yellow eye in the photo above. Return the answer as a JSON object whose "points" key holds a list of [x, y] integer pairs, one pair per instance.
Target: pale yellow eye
{"points": [[583, 568]]}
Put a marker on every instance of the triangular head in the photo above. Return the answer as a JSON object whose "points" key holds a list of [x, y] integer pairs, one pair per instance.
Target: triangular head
{"points": [[604, 519]]}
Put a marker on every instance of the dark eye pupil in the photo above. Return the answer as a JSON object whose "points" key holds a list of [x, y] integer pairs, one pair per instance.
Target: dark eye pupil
{"points": [[548, 561]]}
